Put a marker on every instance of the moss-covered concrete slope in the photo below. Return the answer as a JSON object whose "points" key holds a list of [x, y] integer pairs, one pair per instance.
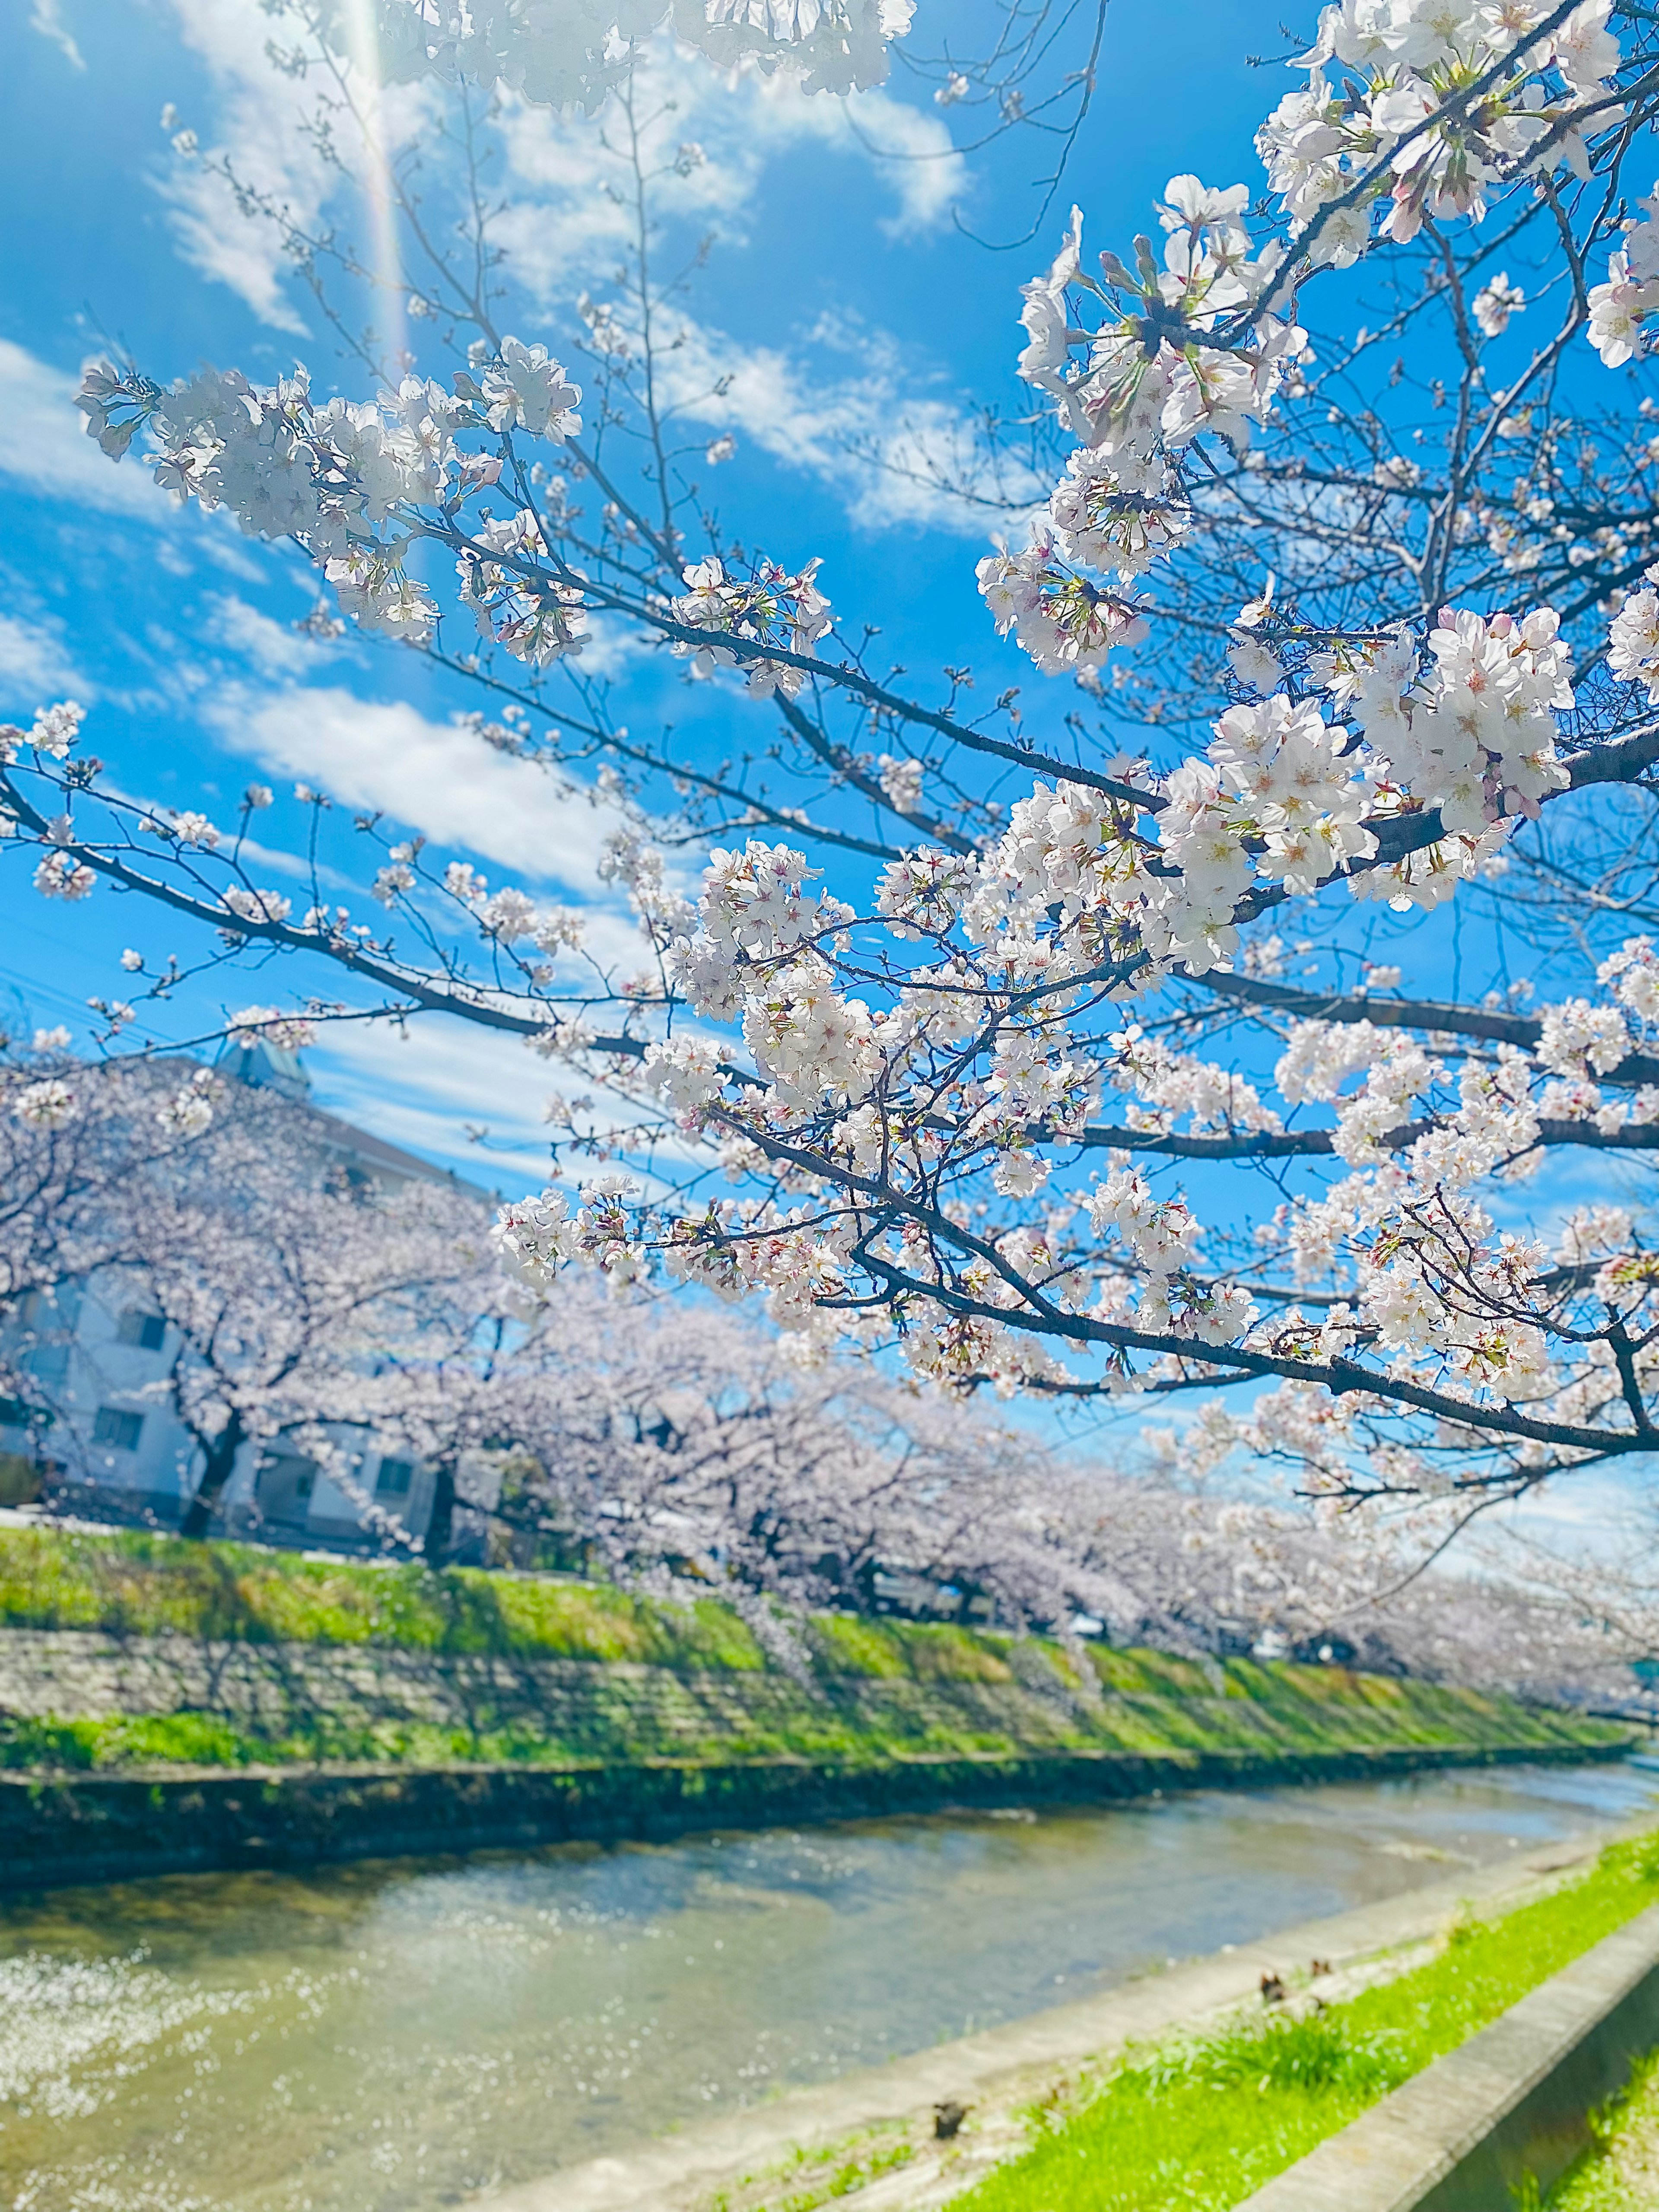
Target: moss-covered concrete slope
{"points": [[123, 1651]]}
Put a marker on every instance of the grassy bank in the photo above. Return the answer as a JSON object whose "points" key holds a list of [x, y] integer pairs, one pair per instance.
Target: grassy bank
{"points": [[1197, 2125], [341, 1662], [144, 1585]]}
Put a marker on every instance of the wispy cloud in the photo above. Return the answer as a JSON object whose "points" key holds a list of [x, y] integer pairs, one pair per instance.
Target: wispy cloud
{"points": [[846, 404], [34, 662], [47, 18], [274, 648], [421, 1085], [259, 126], [708, 143]]}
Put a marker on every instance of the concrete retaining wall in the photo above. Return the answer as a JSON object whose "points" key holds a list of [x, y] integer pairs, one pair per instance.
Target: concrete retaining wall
{"points": [[1032, 1702], [102, 1827], [1512, 2102]]}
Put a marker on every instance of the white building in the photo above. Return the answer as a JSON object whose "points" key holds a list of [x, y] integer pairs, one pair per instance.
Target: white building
{"points": [[113, 1449]]}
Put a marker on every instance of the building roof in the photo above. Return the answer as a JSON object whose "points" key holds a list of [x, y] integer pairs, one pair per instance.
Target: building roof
{"points": [[262, 1065]]}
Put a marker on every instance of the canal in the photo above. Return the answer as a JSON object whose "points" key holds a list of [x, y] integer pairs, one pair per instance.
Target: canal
{"points": [[391, 2037]]}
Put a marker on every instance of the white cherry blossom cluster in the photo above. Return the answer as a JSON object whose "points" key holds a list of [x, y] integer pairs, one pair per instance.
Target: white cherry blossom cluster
{"points": [[1148, 383], [759, 906], [287, 1032], [1476, 738], [189, 1110], [1633, 637], [355, 481], [51, 1104], [769, 612], [52, 734], [1062, 620], [503, 578], [61, 875], [536, 1237], [572, 53], [1281, 796], [1381, 122], [256, 906], [1389, 120], [868, 1124], [1166, 1087]]}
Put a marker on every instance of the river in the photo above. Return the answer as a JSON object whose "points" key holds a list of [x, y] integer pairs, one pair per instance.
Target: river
{"points": [[389, 2037]]}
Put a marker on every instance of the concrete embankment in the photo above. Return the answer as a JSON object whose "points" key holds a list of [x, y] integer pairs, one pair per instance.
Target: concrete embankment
{"points": [[132, 1753], [66, 1828]]}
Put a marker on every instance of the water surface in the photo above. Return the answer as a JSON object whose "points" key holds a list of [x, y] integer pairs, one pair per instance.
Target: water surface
{"points": [[390, 2036]]}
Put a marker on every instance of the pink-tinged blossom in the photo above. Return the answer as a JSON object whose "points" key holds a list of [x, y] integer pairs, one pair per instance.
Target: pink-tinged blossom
{"points": [[63, 877], [288, 1032]]}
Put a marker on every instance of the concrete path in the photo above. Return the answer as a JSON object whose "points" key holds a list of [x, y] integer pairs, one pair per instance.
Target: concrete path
{"points": [[1000, 2072]]}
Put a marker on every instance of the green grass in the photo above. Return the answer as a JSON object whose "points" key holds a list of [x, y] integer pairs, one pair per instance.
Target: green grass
{"points": [[144, 1585], [1197, 2125], [1621, 2170], [879, 1690]]}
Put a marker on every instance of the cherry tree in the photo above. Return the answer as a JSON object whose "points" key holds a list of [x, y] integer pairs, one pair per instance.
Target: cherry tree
{"points": [[677, 1445], [1345, 594], [687, 1441], [71, 1133]]}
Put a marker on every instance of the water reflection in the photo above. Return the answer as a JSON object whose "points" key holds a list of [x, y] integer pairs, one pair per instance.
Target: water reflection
{"points": [[384, 2038]]}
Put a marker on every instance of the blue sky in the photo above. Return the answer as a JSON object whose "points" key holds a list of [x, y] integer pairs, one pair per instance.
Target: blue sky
{"points": [[840, 279]]}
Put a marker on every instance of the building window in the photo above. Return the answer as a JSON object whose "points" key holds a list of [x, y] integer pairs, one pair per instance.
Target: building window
{"points": [[110, 1425], [285, 1487], [394, 1477], [149, 1330]]}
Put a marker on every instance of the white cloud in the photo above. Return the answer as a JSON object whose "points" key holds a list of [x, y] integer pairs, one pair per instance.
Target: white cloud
{"points": [[840, 403], [298, 865], [48, 20], [33, 663], [43, 443], [425, 1084], [438, 778], [908, 147], [259, 127], [274, 647]]}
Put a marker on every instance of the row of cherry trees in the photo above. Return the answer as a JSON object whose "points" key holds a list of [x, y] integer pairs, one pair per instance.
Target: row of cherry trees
{"points": [[664, 1441]]}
